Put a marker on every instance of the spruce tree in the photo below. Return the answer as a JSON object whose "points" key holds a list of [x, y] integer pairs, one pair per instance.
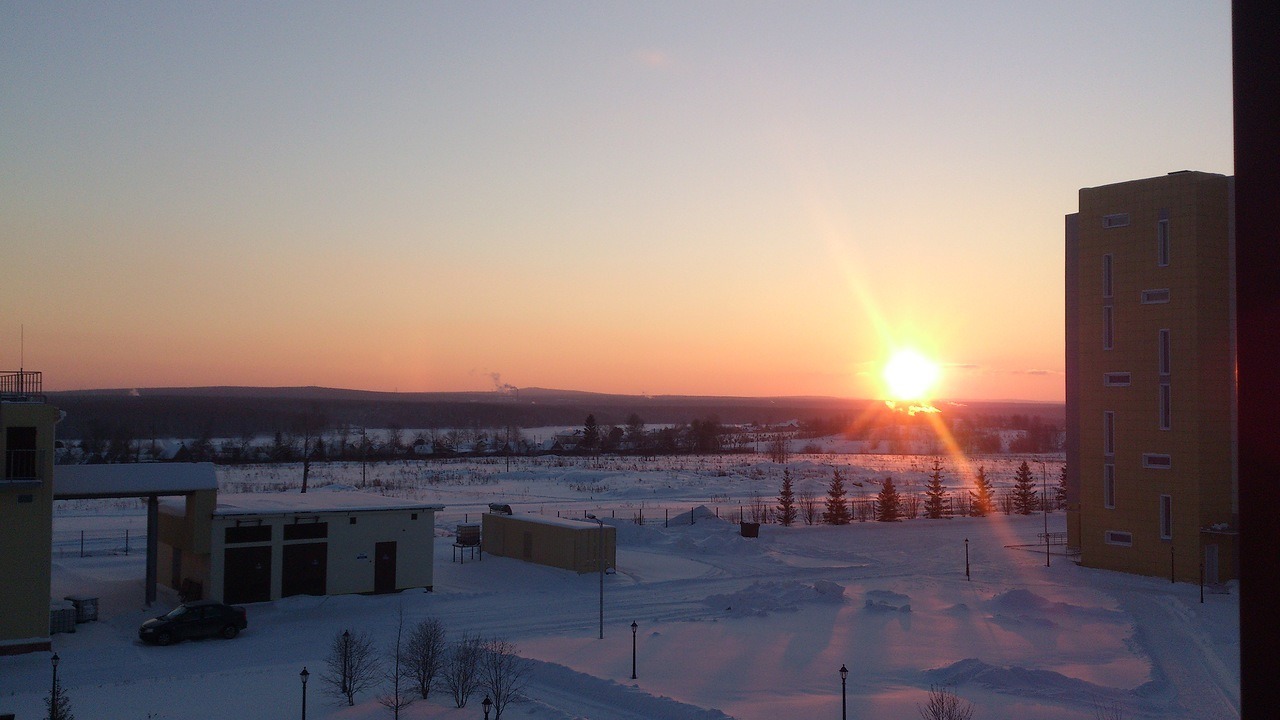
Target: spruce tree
{"points": [[981, 498], [590, 433], [837, 512], [1024, 490], [786, 501], [887, 502], [935, 494], [58, 705]]}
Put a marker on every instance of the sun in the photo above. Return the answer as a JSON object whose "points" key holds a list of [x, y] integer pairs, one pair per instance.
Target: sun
{"points": [[908, 375]]}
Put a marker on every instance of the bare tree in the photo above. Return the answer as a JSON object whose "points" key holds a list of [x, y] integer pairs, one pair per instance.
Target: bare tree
{"points": [[944, 704], [1107, 710], [758, 509], [397, 699], [809, 506], [352, 666], [461, 672], [779, 448], [425, 654], [503, 674]]}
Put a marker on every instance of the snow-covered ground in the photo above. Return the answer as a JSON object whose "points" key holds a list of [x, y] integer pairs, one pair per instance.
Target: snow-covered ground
{"points": [[751, 628]]}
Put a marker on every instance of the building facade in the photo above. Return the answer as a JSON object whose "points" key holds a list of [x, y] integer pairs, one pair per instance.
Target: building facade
{"points": [[26, 512], [1150, 360], [255, 547]]}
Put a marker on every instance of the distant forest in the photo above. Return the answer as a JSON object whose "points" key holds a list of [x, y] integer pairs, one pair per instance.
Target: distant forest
{"points": [[108, 423]]}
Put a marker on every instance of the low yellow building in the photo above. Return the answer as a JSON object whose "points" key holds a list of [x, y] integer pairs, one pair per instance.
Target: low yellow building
{"points": [[26, 512], [558, 542]]}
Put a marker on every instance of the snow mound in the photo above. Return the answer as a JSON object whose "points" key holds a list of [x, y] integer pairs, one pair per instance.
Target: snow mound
{"points": [[1022, 605], [1026, 682], [556, 686], [702, 513], [763, 597], [887, 600]]}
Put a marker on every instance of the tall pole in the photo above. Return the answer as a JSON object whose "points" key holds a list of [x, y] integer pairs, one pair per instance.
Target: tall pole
{"points": [[54, 705], [1044, 505], [601, 558], [633, 649], [844, 705], [304, 675], [966, 558]]}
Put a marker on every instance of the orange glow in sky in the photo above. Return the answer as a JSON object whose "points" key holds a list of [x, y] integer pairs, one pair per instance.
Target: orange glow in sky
{"points": [[606, 197]]}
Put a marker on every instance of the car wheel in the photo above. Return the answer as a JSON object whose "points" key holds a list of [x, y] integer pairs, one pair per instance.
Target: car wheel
{"points": [[230, 631], [164, 638]]}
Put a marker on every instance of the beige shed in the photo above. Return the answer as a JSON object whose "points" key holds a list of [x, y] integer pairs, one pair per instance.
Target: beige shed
{"points": [[558, 542]]}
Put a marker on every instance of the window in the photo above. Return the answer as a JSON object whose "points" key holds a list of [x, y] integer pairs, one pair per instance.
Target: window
{"points": [[247, 534], [1156, 461], [21, 454], [1115, 220], [1109, 486], [1108, 433], [1106, 275], [1166, 411], [1162, 243], [1155, 297], [306, 531], [1108, 327], [1163, 350], [1166, 517], [1116, 537], [1117, 379]]}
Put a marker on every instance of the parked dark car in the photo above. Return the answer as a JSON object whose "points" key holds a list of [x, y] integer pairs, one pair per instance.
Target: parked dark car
{"points": [[203, 618]]}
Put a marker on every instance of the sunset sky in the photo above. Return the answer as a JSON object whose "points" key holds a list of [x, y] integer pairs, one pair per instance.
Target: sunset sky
{"points": [[728, 198]]}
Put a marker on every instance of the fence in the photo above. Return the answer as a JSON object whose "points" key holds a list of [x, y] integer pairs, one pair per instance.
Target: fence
{"points": [[87, 543]]}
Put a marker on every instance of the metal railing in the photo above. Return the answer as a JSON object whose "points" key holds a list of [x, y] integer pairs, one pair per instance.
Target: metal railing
{"points": [[21, 385], [23, 465]]}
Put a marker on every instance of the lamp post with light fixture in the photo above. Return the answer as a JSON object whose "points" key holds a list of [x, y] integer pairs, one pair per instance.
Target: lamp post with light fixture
{"points": [[304, 675], [53, 692], [633, 649], [600, 548], [844, 706]]}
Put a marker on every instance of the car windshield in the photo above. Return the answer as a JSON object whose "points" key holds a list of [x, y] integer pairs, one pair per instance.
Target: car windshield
{"points": [[178, 613]]}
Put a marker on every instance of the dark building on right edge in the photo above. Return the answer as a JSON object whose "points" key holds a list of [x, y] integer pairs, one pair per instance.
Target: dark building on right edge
{"points": [[1150, 365]]}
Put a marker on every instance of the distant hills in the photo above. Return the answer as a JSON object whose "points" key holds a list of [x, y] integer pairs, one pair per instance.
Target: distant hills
{"points": [[237, 411]]}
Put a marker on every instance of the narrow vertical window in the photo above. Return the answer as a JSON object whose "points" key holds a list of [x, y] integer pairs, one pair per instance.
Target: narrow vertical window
{"points": [[1109, 486], [1163, 349], [1166, 517], [1166, 412], [1106, 276], [1108, 433], [1162, 243], [1108, 328]]}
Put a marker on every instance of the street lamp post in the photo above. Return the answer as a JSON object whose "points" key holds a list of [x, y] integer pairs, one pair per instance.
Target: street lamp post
{"points": [[53, 692], [1044, 505], [844, 706], [633, 649], [487, 704], [601, 551], [304, 675]]}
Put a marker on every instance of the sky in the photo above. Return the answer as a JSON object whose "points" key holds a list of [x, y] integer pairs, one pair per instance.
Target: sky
{"points": [[712, 198]]}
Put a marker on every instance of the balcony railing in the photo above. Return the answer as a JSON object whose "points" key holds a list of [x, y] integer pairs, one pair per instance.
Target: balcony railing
{"points": [[21, 386], [24, 465]]}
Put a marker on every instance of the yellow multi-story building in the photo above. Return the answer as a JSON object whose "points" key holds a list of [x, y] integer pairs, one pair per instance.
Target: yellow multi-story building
{"points": [[26, 512], [1150, 366]]}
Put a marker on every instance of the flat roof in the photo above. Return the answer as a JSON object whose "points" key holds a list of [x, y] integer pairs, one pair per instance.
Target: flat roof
{"points": [[131, 480], [583, 524], [317, 500]]}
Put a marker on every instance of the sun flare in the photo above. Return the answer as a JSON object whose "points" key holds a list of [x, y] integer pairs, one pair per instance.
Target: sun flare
{"points": [[908, 375]]}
